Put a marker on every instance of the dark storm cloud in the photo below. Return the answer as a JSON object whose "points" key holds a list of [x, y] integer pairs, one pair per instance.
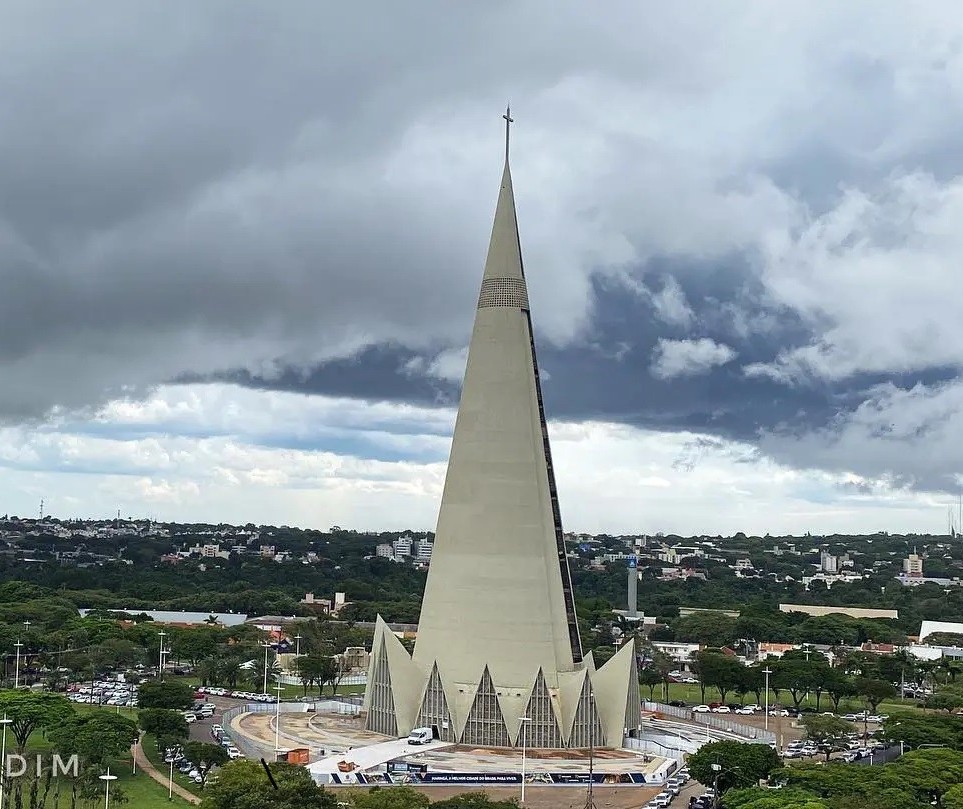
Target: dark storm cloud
{"points": [[608, 378], [298, 197]]}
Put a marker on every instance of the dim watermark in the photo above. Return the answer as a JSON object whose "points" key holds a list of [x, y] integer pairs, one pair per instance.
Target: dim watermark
{"points": [[17, 766]]}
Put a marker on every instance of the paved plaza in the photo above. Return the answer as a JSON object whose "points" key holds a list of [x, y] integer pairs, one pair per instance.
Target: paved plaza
{"points": [[332, 737]]}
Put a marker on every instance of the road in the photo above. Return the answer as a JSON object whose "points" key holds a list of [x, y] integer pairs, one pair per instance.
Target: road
{"points": [[200, 730]]}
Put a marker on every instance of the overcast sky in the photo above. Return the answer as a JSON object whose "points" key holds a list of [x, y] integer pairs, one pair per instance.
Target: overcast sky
{"points": [[241, 243]]}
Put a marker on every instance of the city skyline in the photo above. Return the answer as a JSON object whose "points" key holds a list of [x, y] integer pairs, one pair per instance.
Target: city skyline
{"points": [[237, 270]]}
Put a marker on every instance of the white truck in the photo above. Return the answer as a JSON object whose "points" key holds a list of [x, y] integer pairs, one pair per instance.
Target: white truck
{"points": [[419, 736]]}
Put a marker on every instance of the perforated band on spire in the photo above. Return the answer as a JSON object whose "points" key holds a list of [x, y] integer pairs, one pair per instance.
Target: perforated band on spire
{"points": [[503, 292]]}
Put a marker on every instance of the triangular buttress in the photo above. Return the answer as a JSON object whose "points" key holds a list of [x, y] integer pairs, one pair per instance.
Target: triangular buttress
{"points": [[586, 726], [381, 707], [486, 724], [543, 729], [434, 711]]}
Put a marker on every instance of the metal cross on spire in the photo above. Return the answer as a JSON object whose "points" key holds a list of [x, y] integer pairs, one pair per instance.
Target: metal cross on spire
{"points": [[508, 123]]}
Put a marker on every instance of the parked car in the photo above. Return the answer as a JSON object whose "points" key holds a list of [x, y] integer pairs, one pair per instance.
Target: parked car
{"points": [[745, 710], [701, 709], [722, 709]]}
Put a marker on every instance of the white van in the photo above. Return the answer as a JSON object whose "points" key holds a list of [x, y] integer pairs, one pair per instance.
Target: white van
{"points": [[419, 736]]}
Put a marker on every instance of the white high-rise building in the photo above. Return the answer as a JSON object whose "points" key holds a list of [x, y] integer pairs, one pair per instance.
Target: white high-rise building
{"points": [[828, 563], [913, 565], [498, 638]]}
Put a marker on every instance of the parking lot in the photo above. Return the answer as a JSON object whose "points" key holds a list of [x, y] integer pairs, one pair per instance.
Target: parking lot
{"points": [[103, 692]]}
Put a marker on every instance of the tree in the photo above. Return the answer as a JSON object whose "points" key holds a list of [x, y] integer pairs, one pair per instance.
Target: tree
{"points": [[823, 676], [796, 676], [244, 785], [743, 764], [254, 673], [94, 737], [833, 779], [394, 797], [720, 671], [874, 691], [474, 800], [650, 678], [315, 669], [205, 757], [171, 694], [707, 628], [758, 798], [944, 639], [341, 669], [754, 680], [163, 723], [32, 711], [943, 701], [928, 772], [829, 732], [838, 686], [197, 644], [916, 729]]}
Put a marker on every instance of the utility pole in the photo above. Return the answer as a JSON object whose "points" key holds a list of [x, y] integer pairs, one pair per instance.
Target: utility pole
{"points": [[523, 722], [590, 798]]}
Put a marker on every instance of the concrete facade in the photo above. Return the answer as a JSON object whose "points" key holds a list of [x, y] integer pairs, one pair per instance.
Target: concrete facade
{"points": [[498, 639]]}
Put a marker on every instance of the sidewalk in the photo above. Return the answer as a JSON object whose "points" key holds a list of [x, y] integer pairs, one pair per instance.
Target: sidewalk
{"points": [[161, 778]]}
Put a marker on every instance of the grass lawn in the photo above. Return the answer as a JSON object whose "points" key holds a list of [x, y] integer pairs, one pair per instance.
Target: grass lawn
{"points": [[140, 790], [149, 745], [297, 691]]}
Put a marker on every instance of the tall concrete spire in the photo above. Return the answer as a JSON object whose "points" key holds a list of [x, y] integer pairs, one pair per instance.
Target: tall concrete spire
{"points": [[498, 636], [499, 562]]}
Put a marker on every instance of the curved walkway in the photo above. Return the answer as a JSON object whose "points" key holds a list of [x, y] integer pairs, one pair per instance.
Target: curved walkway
{"points": [[161, 778]]}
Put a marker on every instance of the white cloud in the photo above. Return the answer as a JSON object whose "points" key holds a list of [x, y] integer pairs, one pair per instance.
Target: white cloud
{"points": [[672, 358], [877, 278], [611, 478], [671, 306], [909, 435]]}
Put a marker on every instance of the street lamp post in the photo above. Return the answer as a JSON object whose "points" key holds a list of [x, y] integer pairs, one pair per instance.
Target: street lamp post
{"points": [[16, 666], [107, 779], [26, 629], [717, 769], [160, 669], [3, 758], [297, 648], [523, 722], [170, 783], [767, 671], [267, 646], [277, 721], [590, 798]]}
